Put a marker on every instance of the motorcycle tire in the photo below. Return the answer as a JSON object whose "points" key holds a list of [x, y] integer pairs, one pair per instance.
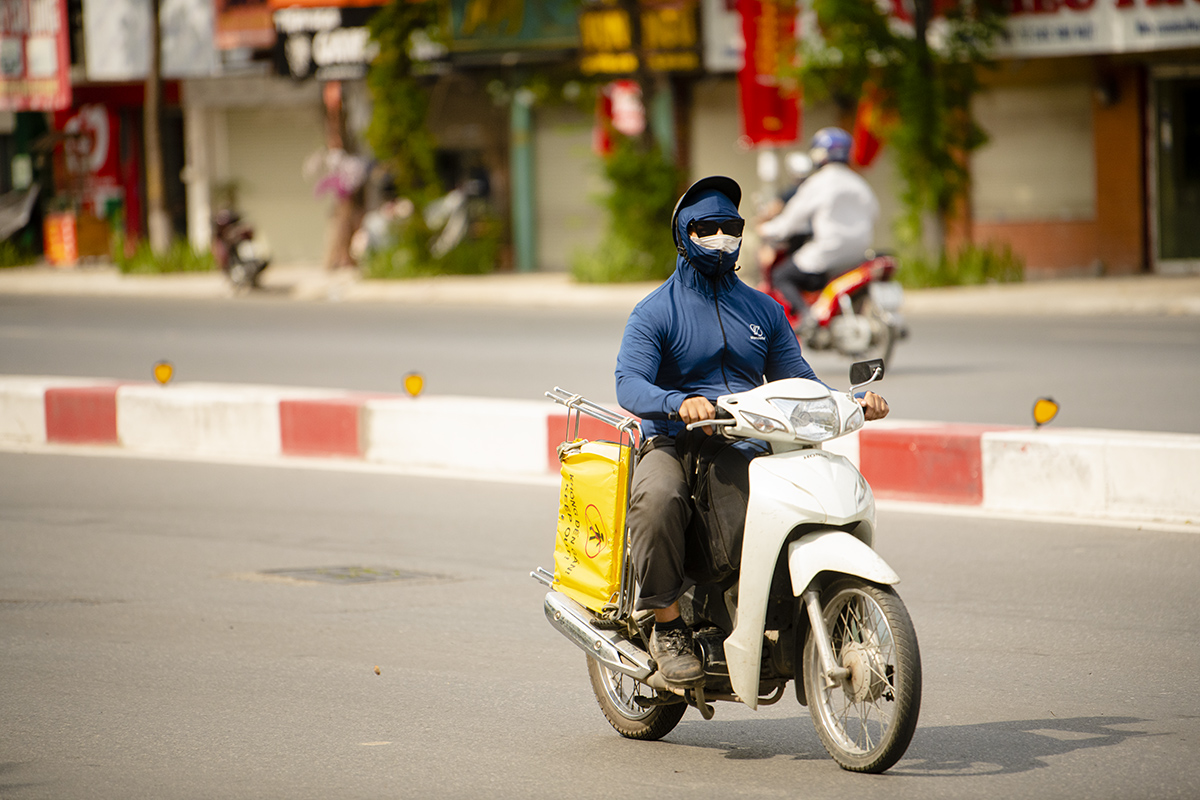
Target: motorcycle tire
{"points": [[883, 335], [241, 274], [616, 695], [866, 722]]}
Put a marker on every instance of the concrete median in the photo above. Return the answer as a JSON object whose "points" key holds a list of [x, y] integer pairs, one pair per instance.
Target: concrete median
{"points": [[1059, 472]]}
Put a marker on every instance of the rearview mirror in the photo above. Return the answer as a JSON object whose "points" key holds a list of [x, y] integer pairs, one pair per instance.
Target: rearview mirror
{"points": [[866, 371]]}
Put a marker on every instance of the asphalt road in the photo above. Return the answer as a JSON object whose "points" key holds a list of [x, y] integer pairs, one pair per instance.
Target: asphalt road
{"points": [[1125, 373], [144, 652]]}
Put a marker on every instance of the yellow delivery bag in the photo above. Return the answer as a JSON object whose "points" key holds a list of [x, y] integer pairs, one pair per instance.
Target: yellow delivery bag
{"points": [[590, 547]]}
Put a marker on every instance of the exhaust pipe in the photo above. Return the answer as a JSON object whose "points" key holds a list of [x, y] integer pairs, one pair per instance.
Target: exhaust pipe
{"points": [[608, 647]]}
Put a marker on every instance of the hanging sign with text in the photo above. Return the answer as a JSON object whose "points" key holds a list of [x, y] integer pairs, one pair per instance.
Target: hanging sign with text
{"points": [[35, 62], [670, 38], [329, 44], [1085, 27], [1066, 27]]}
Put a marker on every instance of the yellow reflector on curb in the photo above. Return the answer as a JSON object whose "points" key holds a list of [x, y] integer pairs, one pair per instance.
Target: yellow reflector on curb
{"points": [[1044, 410], [414, 383], [163, 372]]}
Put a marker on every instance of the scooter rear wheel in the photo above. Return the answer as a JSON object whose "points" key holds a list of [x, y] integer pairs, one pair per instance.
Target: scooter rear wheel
{"points": [[617, 695], [867, 721]]}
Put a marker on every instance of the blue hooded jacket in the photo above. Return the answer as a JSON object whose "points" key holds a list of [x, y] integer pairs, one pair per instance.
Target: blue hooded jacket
{"points": [[702, 333]]}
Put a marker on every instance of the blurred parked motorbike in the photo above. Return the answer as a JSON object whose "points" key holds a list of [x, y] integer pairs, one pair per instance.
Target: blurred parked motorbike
{"points": [[238, 253]]}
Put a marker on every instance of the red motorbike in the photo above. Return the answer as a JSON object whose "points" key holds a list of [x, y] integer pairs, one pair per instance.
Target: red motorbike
{"points": [[857, 313]]}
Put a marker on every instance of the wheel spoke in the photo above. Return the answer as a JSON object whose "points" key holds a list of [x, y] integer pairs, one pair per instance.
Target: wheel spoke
{"points": [[623, 692]]}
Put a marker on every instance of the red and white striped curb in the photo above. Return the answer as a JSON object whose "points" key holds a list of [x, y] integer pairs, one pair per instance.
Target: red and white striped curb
{"points": [[1059, 472]]}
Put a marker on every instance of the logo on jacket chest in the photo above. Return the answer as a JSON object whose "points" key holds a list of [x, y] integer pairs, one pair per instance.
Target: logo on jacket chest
{"points": [[756, 333]]}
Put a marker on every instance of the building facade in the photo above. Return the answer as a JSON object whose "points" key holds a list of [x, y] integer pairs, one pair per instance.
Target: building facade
{"points": [[1093, 114]]}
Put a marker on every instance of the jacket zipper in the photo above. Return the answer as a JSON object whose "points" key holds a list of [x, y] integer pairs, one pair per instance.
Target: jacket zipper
{"points": [[721, 324]]}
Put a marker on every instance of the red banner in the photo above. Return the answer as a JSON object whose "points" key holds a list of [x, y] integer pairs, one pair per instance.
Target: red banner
{"points": [[35, 57], [770, 112], [870, 122]]}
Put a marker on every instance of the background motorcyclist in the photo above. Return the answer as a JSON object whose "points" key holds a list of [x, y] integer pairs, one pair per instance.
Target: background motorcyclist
{"points": [[837, 207], [702, 334], [797, 168]]}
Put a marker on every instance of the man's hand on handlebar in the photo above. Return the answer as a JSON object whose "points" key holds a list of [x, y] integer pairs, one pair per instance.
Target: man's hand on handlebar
{"points": [[695, 409], [874, 406]]}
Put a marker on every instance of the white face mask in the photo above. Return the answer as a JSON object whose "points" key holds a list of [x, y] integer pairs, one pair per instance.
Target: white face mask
{"points": [[718, 241]]}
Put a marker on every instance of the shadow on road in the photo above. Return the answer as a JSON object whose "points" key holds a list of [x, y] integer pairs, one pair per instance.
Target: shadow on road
{"points": [[1005, 748], [989, 748], [7, 781]]}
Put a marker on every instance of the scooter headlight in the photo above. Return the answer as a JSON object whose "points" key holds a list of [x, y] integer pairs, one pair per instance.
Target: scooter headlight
{"points": [[811, 420]]}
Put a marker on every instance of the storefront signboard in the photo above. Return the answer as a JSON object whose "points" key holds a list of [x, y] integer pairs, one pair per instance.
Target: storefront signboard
{"points": [[1079, 27], [117, 39], [722, 29], [91, 160], [244, 23], [329, 44], [670, 38], [34, 56], [513, 25]]}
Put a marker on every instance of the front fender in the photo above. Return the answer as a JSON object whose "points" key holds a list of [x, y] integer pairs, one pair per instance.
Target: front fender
{"points": [[835, 551], [805, 487]]}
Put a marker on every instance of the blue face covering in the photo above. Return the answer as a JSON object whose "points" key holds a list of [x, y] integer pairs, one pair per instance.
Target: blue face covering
{"points": [[706, 205]]}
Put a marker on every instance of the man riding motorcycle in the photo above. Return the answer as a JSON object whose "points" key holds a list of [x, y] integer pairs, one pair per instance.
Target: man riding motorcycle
{"points": [[702, 334], [837, 208]]}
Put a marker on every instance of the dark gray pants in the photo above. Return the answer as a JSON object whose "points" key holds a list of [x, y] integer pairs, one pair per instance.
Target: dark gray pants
{"points": [[660, 507], [791, 283]]}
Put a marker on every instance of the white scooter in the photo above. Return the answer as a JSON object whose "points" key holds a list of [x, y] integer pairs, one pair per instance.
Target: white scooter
{"points": [[812, 601]]}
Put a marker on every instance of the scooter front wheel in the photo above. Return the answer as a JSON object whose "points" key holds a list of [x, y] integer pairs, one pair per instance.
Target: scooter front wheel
{"points": [[618, 696], [867, 720]]}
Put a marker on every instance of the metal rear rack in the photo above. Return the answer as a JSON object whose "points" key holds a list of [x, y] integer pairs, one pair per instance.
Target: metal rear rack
{"points": [[628, 426], [629, 433]]}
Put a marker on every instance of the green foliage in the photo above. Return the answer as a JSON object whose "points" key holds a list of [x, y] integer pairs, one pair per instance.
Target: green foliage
{"points": [[400, 137], [637, 244], [13, 255], [397, 132], [410, 256], [925, 90], [180, 257], [969, 266]]}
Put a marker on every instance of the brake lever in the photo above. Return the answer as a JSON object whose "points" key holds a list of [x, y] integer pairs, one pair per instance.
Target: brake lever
{"points": [[716, 423]]}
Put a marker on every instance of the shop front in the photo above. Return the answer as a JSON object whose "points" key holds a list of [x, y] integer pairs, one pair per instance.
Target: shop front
{"points": [[1175, 151], [1093, 163]]}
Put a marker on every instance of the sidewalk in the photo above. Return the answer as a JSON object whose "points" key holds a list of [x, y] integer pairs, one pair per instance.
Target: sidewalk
{"points": [[1062, 474], [1143, 294]]}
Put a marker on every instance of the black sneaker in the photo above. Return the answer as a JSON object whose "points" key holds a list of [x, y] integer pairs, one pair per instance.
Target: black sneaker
{"points": [[672, 651]]}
